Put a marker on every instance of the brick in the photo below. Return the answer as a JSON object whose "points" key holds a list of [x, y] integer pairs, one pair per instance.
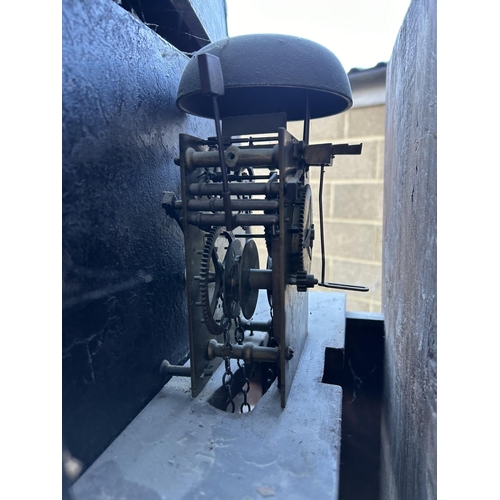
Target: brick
{"points": [[377, 247], [358, 273], [316, 266], [358, 201], [363, 166], [366, 122], [380, 159], [328, 190], [328, 129], [296, 129], [354, 241], [354, 302], [314, 174]]}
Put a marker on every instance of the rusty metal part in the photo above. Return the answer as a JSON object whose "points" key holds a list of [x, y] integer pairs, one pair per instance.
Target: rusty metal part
{"points": [[260, 279], [318, 154], [322, 154], [175, 370], [194, 244], [304, 281], [211, 276], [302, 232], [231, 280], [217, 205], [212, 84], [346, 149], [235, 188], [256, 326], [248, 352], [249, 264], [290, 308], [341, 286], [234, 156], [204, 220], [227, 378], [173, 207]]}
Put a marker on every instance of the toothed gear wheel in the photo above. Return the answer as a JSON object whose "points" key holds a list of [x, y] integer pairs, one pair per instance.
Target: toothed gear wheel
{"points": [[267, 237], [303, 232], [211, 279], [302, 281]]}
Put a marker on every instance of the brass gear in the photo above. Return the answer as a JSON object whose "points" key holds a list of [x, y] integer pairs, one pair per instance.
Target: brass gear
{"points": [[231, 280], [302, 232], [211, 279]]}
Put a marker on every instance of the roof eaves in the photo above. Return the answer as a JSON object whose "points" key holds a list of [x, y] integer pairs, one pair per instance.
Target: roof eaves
{"points": [[368, 85]]}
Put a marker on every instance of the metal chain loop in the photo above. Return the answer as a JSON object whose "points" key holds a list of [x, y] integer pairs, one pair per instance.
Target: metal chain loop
{"points": [[239, 333], [244, 390], [227, 378]]}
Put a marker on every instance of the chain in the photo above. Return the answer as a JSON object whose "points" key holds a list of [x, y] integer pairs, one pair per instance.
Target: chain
{"points": [[239, 335], [239, 332], [227, 378], [244, 390], [271, 374]]}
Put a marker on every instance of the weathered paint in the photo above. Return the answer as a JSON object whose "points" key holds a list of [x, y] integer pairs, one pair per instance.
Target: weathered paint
{"points": [[184, 448], [409, 261], [124, 303]]}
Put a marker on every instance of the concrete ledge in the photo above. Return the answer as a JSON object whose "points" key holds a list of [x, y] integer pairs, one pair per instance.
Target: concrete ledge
{"points": [[184, 448]]}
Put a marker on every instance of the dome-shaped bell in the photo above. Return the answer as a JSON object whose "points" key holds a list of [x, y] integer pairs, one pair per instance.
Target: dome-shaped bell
{"points": [[268, 73]]}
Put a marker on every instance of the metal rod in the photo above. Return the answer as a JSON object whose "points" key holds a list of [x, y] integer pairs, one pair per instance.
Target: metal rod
{"points": [[322, 234], [239, 178], [248, 352], [226, 196], [341, 286], [249, 235], [245, 138], [260, 279], [247, 157], [307, 121], [256, 326], [236, 188], [175, 370], [217, 205], [198, 219]]}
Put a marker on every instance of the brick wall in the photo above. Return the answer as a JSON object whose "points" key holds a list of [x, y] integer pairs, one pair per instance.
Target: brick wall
{"points": [[352, 203]]}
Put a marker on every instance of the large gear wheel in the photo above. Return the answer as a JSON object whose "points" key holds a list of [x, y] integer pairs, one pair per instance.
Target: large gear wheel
{"points": [[231, 280], [211, 279], [302, 232], [248, 296]]}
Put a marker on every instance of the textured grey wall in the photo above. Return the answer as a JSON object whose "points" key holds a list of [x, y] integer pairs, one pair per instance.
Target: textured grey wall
{"points": [[124, 305], [409, 261], [213, 16]]}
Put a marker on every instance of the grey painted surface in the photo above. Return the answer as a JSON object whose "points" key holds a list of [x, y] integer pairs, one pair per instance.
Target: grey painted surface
{"points": [[183, 448], [124, 305], [409, 261], [213, 16]]}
